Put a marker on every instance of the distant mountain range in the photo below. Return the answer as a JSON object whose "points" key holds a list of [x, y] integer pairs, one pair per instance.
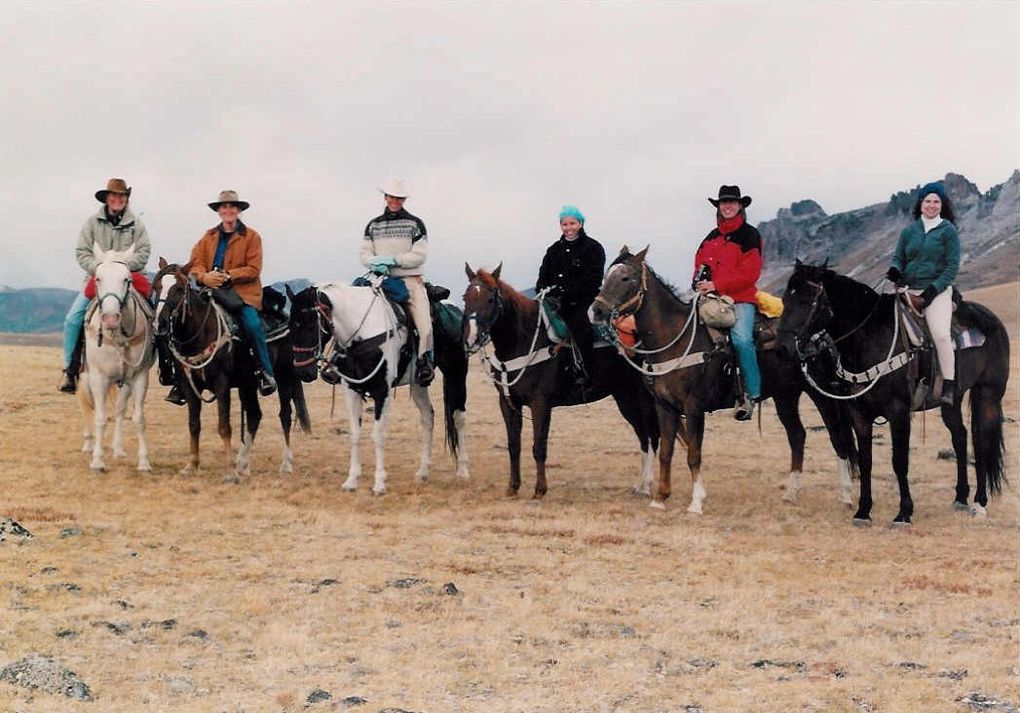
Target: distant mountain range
{"points": [[858, 243]]}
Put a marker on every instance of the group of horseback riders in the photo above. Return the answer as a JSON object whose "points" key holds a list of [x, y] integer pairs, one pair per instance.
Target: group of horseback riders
{"points": [[228, 260]]}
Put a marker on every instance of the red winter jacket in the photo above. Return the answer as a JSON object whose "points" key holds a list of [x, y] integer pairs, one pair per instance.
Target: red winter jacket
{"points": [[735, 262]]}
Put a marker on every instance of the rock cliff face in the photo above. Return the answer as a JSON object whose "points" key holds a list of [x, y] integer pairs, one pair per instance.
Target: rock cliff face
{"points": [[860, 242]]}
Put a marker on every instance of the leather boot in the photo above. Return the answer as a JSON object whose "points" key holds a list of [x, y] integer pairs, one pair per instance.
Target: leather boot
{"points": [[70, 383], [424, 371], [267, 384], [175, 397], [948, 397]]}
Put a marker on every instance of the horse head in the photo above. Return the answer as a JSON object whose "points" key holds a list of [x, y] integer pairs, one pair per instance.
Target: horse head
{"points": [[113, 279], [169, 288], [309, 329], [806, 306], [482, 306], [623, 289]]}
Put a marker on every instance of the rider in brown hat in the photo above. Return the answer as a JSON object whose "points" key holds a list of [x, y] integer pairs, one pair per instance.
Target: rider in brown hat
{"points": [[115, 228]]}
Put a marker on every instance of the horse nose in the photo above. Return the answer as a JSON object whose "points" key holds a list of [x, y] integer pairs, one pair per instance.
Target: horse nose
{"points": [[111, 319], [596, 315]]}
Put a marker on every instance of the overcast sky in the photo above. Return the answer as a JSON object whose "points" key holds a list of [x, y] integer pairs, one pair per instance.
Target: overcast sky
{"points": [[495, 113]]}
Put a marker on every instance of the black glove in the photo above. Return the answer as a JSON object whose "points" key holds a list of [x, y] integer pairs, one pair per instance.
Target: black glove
{"points": [[894, 275], [928, 295]]}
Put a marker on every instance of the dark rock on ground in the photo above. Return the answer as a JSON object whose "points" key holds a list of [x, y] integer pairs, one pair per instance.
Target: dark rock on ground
{"points": [[199, 634], [351, 701], [798, 666], [166, 624], [42, 673], [117, 627], [946, 454], [48, 570], [911, 666], [450, 589], [394, 710], [11, 530], [66, 586], [406, 582], [957, 674], [69, 532], [329, 582], [980, 702], [124, 604], [319, 695], [67, 634]]}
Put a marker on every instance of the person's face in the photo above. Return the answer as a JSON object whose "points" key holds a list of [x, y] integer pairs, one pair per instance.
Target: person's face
{"points": [[931, 206], [228, 213], [728, 209], [393, 203], [570, 226], [116, 202]]}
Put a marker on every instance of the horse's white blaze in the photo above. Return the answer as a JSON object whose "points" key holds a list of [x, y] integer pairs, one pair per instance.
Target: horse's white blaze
{"points": [[460, 424], [162, 288], [472, 335], [843, 474]]}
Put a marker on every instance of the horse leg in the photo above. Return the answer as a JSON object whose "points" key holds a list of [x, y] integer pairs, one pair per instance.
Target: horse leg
{"points": [[249, 399], [695, 432], [120, 406], [512, 419], [88, 414], [427, 416], [953, 418], [382, 412], [862, 428], [139, 388], [668, 422], [789, 415], [899, 426], [632, 409], [194, 431], [355, 407], [98, 385], [834, 416], [285, 394], [460, 424], [223, 427], [541, 417]]}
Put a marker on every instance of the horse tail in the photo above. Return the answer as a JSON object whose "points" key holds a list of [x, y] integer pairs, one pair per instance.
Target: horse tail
{"points": [[301, 407], [454, 398], [986, 429]]}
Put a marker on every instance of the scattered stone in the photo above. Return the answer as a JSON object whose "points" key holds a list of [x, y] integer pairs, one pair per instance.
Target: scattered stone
{"points": [[48, 570], [66, 586], [43, 673], [199, 634], [393, 624], [329, 582], [911, 666], [628, 632], [816, 429], [450, 589], [703, 663], [798, 666], [69, 532], [946, 454], [406, 583], [956, 674], [11, 530], [709, 603], [692, 708], [67, 634], [862, 704], [181, 685], [980, 702], [352, 701], [166, 624], [117, 627], [394, 710], [123, 604], [319, 695]]}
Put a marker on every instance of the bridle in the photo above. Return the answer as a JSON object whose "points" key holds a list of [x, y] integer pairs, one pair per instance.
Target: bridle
{"points": [[323, 323], [631, 305], [483, 327], [825, 313]]}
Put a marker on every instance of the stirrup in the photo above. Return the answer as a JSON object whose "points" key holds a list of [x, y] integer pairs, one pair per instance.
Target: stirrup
{"points": [[424, 372], [175, 397], [267, 384], [744, 410]]}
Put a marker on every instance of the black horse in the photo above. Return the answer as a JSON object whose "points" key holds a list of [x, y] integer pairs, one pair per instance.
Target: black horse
{"points": [[210, 359], [863, 326], [690, 376], [528, 371]]}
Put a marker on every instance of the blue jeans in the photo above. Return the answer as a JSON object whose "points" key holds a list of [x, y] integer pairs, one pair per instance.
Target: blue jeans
{"points": [[252, 325], [74, 322], [742, 335]]}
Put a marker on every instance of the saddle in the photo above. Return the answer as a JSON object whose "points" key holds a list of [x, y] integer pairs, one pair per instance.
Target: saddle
{"points": [[273, 315]]}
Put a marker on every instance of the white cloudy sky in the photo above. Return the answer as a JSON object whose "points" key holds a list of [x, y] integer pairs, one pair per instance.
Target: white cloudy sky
{"points": [[496, 113]]}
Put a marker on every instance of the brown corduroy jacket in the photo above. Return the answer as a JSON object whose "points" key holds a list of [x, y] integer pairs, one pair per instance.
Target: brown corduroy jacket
{"points": [[242, 261]]}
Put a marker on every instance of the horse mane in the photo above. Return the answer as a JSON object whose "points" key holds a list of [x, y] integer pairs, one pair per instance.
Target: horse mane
{"points": [[670, 287]]}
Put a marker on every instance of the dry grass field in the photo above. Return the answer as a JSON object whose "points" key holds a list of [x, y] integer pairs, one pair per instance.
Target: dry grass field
{"points": [[171, 593]]}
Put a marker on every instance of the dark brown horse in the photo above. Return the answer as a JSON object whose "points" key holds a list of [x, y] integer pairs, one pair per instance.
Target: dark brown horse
{"points": [[864, 328], [210, 359], [690, 376], [528, 370]]}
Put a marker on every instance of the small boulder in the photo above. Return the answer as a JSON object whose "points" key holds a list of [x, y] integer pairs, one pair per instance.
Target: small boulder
{"points": [[318, 695], [44, 674], [13, 531], [450, 589]]}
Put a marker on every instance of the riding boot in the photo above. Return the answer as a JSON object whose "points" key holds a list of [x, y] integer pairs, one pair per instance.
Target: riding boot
{"points": [[166, 363], [948, 397], [70, 383], [175, 396], [267, 384], [745, 409], [424, 371]]}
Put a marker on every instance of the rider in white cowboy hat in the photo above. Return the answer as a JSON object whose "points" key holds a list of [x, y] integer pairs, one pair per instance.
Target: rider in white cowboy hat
{"points": [[396, 243], [116, 228]]}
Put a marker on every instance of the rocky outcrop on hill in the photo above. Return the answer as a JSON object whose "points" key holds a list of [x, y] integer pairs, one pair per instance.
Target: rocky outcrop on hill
{"points": [[860, 242]]}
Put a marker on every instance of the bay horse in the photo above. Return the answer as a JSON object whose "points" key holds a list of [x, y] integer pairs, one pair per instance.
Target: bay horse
{"points": [[118, 351], [209, 358], [358, 339], [527, 371], [864, 327], [689, 376]]}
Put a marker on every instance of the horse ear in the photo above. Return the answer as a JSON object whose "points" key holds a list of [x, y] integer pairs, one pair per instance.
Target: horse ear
{"points": [[825, 265], [162, 263], [797, 264], [624, 251], [499, 267], [641, 255], [290, 292], [469, 272], [182, 272]]}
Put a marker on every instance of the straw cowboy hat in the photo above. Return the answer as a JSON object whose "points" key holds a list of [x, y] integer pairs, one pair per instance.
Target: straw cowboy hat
{"points": [[229, 197], [114, 185], [395, 187], [730, 193]]}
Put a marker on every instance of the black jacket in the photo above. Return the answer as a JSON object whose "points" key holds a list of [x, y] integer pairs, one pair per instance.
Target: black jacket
{"points": [[575, 267]]}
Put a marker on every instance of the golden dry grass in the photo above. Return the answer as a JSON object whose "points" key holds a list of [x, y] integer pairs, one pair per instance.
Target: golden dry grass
{"points": [[588, 601]]}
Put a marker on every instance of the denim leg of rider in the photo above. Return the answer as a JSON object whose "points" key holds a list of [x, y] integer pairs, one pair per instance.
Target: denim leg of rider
{"points": [[742, 334], [256, 335], [74, 322]]}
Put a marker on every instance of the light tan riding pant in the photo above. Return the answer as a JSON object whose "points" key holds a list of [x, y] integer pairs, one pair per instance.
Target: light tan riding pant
{"points": [[939, 316], [420, 311]]}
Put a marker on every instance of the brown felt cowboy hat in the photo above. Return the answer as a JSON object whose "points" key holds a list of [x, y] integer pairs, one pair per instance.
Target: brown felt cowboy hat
{"points": [[114, 185], [229, 197], [730, 193]]}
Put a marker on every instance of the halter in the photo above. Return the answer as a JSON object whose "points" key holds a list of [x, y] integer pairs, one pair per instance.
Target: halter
{"points": [[636, 301], [324, 318], [483, 329]]}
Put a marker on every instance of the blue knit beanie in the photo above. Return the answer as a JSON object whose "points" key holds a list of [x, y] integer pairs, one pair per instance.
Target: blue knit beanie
{"points": [[571, 211], [935, 187]]}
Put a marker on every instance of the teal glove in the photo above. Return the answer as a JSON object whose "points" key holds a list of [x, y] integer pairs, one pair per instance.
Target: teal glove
{"points": [[380, 268]]}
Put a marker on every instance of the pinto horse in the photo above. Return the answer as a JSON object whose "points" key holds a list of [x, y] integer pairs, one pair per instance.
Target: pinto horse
{"points": [[689, 376], [210, 359], [864, 326], [533, 376], [355, 335], [118, 350]]}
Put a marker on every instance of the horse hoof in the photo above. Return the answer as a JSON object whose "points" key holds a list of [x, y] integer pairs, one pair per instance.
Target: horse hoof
{"points": [[422, 477], [512, 493], [657, 505], [848, 502], [978, 512], [862, 522], [639, 492], [120, 454], [463, 474], [378, 491], [349, 487], [188, 470], [286, 469], [144, 467], [231, 479], [692, 511], [902, 525], [101, 468], [790, 497], [960, 507]]}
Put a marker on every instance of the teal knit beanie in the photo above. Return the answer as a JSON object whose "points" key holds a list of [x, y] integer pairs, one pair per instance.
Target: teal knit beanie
{"points": [[570, 211]]}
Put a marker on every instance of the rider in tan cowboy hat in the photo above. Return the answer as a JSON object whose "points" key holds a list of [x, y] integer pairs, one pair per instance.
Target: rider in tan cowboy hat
{"points": [[115, 228]]}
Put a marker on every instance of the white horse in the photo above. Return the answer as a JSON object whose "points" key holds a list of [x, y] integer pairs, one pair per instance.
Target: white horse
{"points": [[368, 339], [118, 351]]}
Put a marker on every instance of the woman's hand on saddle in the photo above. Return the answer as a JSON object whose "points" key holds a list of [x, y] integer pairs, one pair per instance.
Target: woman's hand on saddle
{"points": [[705, 286], [381, 265]]}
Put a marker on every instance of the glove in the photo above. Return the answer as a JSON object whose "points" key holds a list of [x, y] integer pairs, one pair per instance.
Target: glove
{"points": [[380, 268], [928, 295], [386, 260], [894, 275]]}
